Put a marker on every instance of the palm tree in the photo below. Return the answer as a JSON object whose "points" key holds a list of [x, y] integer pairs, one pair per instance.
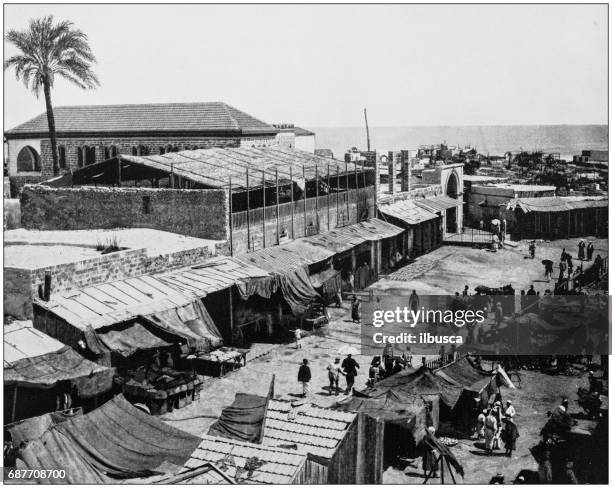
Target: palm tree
{"points": [[47, 50]]}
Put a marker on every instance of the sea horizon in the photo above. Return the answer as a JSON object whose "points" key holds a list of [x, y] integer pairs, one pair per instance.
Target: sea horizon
{"points": [[565, 139]]}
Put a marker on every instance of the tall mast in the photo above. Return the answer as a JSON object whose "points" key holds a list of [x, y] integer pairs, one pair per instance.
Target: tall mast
{"points": [[365, 114]]}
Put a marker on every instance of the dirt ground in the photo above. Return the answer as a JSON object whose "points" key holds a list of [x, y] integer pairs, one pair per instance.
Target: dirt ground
{"points": [[539, 393], [446, 270], [449, 268]]}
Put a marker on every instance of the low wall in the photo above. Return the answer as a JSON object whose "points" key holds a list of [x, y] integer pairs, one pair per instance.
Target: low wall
{"points": [[20, 285], [12, 213], [197, 213]]}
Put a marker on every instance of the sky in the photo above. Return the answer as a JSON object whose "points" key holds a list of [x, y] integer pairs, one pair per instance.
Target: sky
{"points": [[320, 65]]}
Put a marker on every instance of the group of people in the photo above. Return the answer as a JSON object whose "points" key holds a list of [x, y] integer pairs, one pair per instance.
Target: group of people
{"points": [[388, 365], [495, 424], [348, 368]]}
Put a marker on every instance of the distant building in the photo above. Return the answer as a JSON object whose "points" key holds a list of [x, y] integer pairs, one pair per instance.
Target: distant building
{"points": [[90, 134], [292, 137]]}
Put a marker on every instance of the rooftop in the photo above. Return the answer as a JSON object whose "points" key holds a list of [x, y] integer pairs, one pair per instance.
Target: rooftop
{"points": [[314, 430], [201, 118], [280, 466], [23, 341], [32, 249], [214, 167]]}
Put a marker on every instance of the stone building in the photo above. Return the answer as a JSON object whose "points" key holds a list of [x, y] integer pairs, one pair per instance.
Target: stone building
{"points": [[90, 134]]}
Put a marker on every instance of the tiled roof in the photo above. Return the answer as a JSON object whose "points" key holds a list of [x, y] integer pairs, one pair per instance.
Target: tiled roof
{"points": [[299, 131], [209, 117], [280, 466], [408, 211], [312, 429]]}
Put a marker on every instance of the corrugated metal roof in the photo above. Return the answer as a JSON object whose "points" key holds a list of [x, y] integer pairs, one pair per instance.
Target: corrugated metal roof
{"points": [[345, 238], [150, 117], [437, 204], [23, 341], [110, 303], [313, 429], [280, 465], [408, 211], [213, 167]]}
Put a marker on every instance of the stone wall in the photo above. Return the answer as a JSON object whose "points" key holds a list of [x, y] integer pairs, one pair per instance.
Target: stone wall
{"points": [[124, 145], [20, 285], [197, 213]]}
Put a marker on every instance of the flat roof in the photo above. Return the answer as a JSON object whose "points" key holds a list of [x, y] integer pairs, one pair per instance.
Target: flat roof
{"points": [[23, 341], [32, 249]]}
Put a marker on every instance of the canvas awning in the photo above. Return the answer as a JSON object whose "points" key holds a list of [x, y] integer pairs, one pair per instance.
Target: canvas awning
{"points": [[407, 211], [437, 204], [131, 338], [343, 239], [191, 322], [35, 360], [118, 301], [116, 441]]}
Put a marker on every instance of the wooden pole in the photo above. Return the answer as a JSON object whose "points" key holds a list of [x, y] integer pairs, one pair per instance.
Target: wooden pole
{"points": [[348, 210], [231, 218], [317, 195], [14, 406], [277, 211], [231, 311], [263, 192], [171, 175], [304, 177], [337, 193], [248, 190], [328, 190], [292, 205], [441, 461], [119, 171]]}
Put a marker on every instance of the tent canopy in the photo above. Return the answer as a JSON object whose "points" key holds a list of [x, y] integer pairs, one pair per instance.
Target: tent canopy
{"points": [[115, 441]]}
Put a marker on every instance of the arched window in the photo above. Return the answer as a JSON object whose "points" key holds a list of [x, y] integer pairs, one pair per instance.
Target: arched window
{"points": [[162, 150], [28, 159], [106, 153], [90, 155], [80, 157], [61, 152], [452, 185], [113, 151]]}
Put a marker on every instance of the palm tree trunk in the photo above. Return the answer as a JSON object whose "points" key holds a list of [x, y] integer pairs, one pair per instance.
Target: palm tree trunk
{"points": [[51, 122]]}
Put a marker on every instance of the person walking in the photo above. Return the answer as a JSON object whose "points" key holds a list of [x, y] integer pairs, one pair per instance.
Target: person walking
{"points": [[509, 435], [356, 310], [430, 455], [510, 410], [499, 314], [350, 367], [297, 334], [490, 430], [548, 270], [581, 247], [480, 424], [562, 268], [413, 301], [589, 250], [304, 376], [334, 370]]}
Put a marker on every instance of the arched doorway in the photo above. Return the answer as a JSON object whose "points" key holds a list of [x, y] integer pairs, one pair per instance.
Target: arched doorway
{"points": [[28, 159], [452, 191]]}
